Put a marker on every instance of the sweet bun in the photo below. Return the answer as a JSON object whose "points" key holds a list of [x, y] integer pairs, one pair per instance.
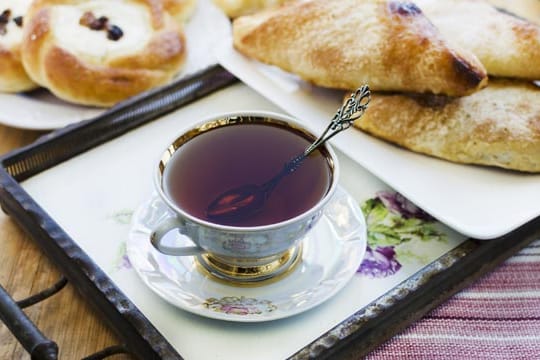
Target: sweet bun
{"points": [[507, 45], [99, 52], [13, 77], [180, 10], [235, 8], [343, 44], [497, 126]]}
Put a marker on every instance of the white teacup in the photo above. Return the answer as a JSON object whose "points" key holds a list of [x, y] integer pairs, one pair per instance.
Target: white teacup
{"points": [[236, 253]]}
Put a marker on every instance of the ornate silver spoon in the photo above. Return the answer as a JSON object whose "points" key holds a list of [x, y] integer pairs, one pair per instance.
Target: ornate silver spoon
{"points": [[248, 199]]}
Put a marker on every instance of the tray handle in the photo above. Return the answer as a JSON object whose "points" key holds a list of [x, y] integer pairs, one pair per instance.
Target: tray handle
{"points": [[27, 333]]}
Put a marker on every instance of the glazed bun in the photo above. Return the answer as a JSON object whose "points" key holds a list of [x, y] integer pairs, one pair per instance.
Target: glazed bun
{"points": [[99, 52], [13, 77]]}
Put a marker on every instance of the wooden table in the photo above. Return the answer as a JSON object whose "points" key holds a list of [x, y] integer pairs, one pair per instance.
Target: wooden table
{"points": [[64, 318]]}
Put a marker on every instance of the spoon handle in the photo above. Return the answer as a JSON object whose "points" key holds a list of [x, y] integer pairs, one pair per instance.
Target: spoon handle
{"points": [[287, 169], [352, 109]]}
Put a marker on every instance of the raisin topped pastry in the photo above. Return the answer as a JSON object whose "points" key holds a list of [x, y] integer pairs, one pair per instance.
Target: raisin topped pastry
{"points": [[99, 52], [13, 77], [390, 45]]}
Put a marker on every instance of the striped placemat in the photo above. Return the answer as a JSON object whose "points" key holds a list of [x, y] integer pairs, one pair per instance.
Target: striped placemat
{"points": [[496, 318]]}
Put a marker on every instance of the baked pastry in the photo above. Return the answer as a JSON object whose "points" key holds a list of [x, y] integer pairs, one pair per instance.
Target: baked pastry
{"points": [[342, 44], [181, 10], [13, 77], [99, 52], [507, 45], [235, 8], [527, 9], [497, 126]]}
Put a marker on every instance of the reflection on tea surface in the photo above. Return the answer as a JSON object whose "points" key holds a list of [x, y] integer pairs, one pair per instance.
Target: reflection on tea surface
{"points": [[230, 156]]}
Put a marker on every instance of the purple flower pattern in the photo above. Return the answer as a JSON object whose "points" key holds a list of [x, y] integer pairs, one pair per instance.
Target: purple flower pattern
{"points": [[392, 220], [398, 204], [380, 262]]}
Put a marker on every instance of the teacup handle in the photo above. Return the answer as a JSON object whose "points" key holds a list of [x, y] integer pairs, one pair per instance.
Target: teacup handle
{"points": [[163, 229]]}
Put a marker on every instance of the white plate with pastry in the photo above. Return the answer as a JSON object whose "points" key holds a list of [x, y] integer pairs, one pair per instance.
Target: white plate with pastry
{"points": [[481, 202], [435, 115], [142, 58]]}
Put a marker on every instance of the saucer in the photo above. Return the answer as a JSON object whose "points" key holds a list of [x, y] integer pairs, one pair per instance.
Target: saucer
{"points": [[332, 252]]}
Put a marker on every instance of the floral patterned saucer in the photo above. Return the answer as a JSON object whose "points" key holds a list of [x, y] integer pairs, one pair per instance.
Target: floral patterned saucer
{"points": [[332, 253]]}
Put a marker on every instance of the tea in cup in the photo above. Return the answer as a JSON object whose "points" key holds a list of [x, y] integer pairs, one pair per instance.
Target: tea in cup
{"points": [[230, 151]]}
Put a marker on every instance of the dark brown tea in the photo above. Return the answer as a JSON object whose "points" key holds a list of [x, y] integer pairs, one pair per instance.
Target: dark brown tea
{"points": [[227, 157]]}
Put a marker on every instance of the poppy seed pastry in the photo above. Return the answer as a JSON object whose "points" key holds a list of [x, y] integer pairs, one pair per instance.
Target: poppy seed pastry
{"points": [[343, 44], [507, 45], [99, 52], [497, 126], [13, 77]]}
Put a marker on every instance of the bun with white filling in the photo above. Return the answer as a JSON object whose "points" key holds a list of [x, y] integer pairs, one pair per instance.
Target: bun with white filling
{"points": [[99, 52]]}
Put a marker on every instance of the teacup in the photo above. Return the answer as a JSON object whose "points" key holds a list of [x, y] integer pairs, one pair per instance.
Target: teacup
{"points": [[257, 246]]}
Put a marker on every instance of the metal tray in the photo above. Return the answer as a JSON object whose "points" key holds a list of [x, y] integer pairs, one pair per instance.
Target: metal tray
{"points": [[354, 336]]}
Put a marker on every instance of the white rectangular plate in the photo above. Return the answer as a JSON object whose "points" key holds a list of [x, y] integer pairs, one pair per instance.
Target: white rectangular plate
{"points": [[479, 202]]}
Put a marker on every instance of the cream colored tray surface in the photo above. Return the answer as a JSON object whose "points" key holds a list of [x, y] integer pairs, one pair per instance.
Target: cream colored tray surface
{"points": [[40, 110], [94, 195], [480, 202]]}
